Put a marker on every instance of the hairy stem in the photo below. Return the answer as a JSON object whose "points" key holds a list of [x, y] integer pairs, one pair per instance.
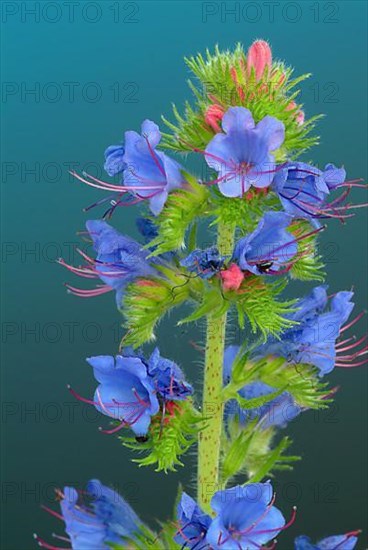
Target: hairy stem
{"points": [[209, 445]]}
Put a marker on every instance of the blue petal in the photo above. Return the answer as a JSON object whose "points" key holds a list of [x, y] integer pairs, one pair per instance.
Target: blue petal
{"points": [[272, 131], [229, 357], [114, 161], [237, 119], [342, 305], [157, 202], [333, 176], [337, 541], [113, 510], [152, 132]]}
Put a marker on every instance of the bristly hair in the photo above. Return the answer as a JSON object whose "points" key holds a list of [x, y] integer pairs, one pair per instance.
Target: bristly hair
{"points": [[220, 77]]}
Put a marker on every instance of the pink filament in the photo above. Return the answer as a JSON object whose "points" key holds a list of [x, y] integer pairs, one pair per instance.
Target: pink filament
{"points": [[46, 545]]}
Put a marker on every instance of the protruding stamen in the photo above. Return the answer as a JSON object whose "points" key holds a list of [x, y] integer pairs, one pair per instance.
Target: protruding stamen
{"points": [[88, 293], [52, 512], [353, 322], [79, 397], [46, 545]]}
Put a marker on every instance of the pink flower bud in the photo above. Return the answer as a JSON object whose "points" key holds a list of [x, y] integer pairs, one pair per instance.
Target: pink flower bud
{"points": [[213, 116], [258, 58], [300, 117], [299, 114], [232, 277]]}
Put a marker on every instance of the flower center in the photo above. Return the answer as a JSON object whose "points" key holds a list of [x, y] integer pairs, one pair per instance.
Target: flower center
{"points": [[243, 168]]}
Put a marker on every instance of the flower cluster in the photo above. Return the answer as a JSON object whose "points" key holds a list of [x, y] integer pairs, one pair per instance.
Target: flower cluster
{"points": [[268, 209]]}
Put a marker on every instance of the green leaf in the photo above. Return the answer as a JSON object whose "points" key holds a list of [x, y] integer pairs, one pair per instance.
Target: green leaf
{"points": [[309, 265], [146, 301], [212, 304], [169, 437], [242, 212], [144, 539], [259, 304], [255, 402], [273, 460], [301, 381], [182, 208], [192, 237], [248, 450], [234, 455]]}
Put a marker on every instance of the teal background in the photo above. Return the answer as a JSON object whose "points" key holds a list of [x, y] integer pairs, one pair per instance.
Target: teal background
{"points": [[42, 211]]}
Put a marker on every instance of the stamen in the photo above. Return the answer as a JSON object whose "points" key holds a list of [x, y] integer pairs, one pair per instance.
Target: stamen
{"points": [[98, 184], [347, 537], [358, 353], [351, 365], [262, 516], [355, 320], [88, 293], [205, 153], [351, 346], [79, 397], [65, 539], [52, 512], [345, 341], [286, 526], [139, 399], [46, 545], [85, 272], [98, 203], [122, 424], [154, 156]]}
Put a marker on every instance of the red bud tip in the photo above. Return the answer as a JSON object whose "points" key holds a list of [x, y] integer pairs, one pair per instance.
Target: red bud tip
{"points": [[213, 116], [258, 58]]}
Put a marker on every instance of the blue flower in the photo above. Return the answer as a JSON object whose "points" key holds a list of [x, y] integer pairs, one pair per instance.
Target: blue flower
{"points": [[309, 307], [277, 412], [98, 523], [146, 228], [120, 259], [335, 542], [269, 247], [205, 263], [109, 506], [303, 189], [313, 339], [126, 392], [132, 389], [150, 174], [194, 523], [114, 163], [245, 518], [168, 378], [242, 156]]}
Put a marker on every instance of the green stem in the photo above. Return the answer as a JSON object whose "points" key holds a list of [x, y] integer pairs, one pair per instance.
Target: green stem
{"points": [[209, 445]]}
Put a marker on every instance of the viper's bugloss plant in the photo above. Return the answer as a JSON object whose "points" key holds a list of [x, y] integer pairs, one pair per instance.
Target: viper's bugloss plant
{"points": [[267, 209]]}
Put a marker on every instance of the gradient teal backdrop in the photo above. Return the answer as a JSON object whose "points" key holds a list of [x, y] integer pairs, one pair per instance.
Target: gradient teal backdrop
{"points": [[76, 75]]}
